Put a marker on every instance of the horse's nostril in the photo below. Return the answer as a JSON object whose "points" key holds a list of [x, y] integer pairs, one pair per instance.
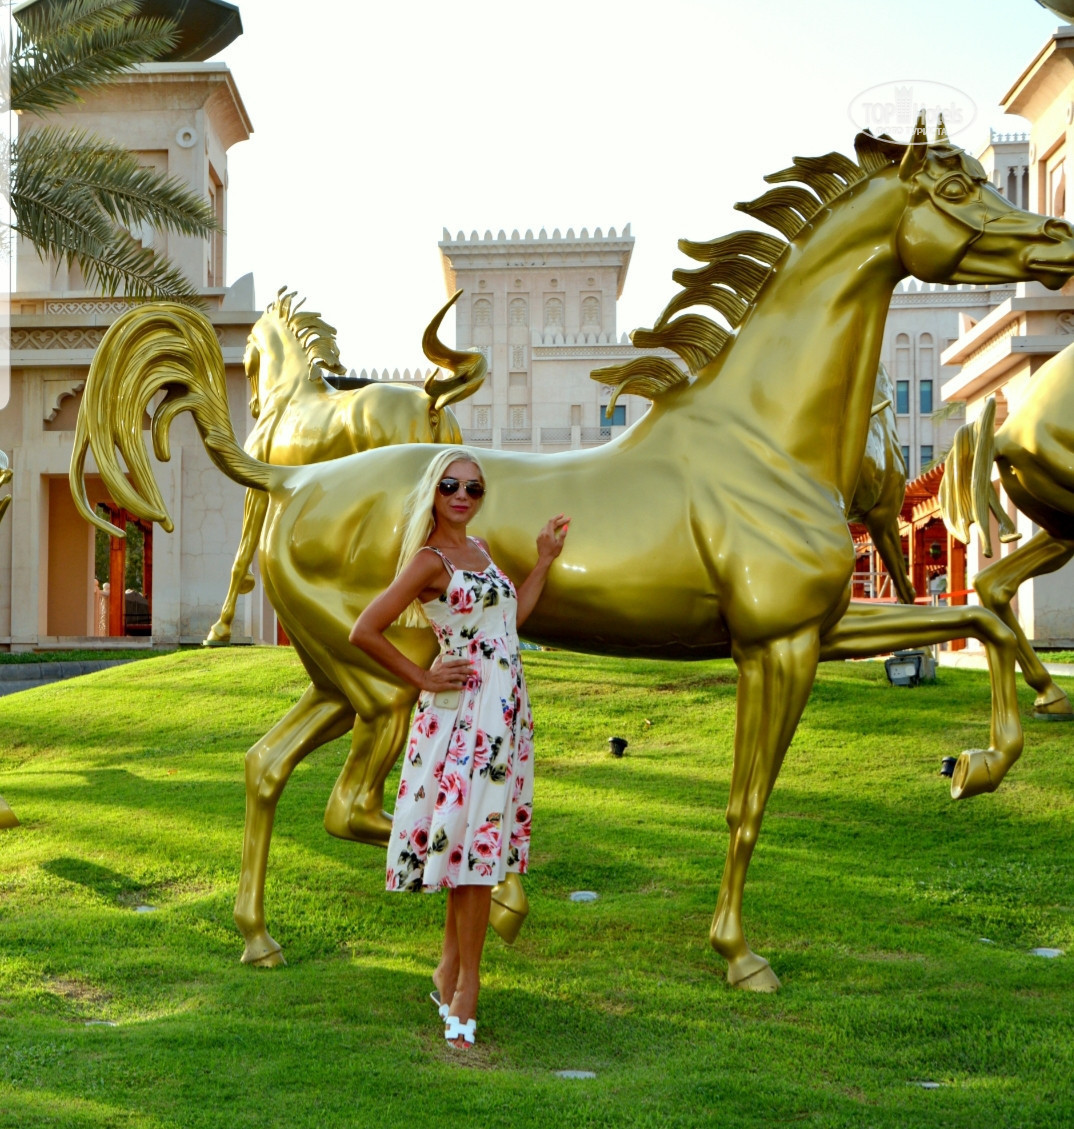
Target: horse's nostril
{"points": [[1059, 230]]}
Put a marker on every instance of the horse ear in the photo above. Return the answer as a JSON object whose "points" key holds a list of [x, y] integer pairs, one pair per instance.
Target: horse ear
{"points": [[913, 160]]}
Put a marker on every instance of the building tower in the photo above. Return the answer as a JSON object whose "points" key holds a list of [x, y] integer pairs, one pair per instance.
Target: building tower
{"points": [[543, 311], [179, 116]]}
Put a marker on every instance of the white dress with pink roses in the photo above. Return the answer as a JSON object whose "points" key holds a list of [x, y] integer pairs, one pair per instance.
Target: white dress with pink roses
{"points": [[462, 815]]}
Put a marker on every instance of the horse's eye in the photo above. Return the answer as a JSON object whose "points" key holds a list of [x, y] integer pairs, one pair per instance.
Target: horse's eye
{"points": [[954, 188]]}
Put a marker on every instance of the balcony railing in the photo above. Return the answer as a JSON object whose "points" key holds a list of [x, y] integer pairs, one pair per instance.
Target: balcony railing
{"points": [[556, 435]]}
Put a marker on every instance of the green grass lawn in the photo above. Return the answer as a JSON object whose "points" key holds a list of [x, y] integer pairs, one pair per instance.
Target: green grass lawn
{"points": [[899, 922]]}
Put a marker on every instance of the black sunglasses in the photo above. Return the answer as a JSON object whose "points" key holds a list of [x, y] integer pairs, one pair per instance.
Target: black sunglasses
{"points": [[473, 488]]}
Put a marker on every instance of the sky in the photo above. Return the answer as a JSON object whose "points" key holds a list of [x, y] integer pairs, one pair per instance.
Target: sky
{"points": [[377, 125]]}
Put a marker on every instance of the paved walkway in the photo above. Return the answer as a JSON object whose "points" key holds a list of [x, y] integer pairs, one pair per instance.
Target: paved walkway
{"points": [[975, 660], [25, 676]]}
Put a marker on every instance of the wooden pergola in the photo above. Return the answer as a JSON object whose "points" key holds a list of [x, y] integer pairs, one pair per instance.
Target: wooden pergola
{"points": [[929, 548], [117, 568]]}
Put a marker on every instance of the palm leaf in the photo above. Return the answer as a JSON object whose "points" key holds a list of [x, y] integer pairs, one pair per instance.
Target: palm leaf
{"points": [[51, 164], [66, 49]]}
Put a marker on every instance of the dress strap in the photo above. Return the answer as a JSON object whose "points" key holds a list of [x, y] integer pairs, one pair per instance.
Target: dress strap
{"points": [[477, 545], [447, 564]]}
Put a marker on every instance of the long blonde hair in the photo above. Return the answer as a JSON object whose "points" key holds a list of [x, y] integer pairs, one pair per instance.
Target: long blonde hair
{"points": [[420, 520]]}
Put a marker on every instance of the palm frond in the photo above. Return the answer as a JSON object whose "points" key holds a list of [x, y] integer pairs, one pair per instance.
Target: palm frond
{"points": [[49, 165], [65, 49]]}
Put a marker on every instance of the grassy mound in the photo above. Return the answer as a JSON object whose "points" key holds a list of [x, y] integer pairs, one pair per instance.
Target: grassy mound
{"points": [[899, 922]]}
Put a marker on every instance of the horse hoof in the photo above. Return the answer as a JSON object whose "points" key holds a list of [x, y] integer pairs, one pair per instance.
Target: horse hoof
{"points": [[219, 636], [372, 827], [753, 974], [246, 584], [509, 909], [972, 775], [1053, 705], [263, 952]]}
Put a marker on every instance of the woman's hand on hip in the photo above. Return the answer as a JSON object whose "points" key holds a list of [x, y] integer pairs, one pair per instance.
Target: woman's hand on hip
{"points": [[447, 674]]}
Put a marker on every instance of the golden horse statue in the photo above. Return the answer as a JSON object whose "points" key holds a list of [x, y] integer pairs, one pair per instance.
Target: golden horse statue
{"points": [[1033, 451], [714, 526], [5, 478], [881, 487], [301, 418]]}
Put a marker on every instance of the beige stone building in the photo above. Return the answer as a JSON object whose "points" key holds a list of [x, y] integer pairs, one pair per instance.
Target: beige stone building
{"points": [[542, 308], [999, 353], [179, 117]]}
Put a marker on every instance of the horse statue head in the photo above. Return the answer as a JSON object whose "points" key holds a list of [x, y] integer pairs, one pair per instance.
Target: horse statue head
{"points": [[286, 341], [957, 227]]}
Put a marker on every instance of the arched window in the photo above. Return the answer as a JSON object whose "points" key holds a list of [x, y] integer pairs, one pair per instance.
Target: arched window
{"points": [[553, 314], [902, 356], [482, 312], [591, 313], [520, 313]]}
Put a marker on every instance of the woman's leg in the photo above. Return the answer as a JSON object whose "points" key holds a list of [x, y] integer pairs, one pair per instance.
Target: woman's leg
{"points": [[447, 971], [471, 906]]}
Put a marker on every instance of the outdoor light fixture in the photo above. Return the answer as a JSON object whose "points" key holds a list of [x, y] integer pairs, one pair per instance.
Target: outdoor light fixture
{"points": [[908, 668]]}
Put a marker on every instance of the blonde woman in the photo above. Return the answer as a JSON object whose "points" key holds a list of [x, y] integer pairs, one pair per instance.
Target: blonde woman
{"points": [[462, 814]]}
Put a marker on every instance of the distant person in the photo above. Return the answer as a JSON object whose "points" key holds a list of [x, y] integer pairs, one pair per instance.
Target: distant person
{"points": [[462, 814]]}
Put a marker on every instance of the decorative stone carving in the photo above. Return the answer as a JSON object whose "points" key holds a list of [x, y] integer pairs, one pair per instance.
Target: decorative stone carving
{"points": [[57, 389], [520, 313], [553, 314], [518, 357], [86, 306], [1064, 322], [482, 312], [67, 338], [591, 313]]}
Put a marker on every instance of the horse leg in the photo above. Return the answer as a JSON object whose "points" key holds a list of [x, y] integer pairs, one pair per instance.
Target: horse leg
{"points": [[884, 530], [242, 580], [996, 587], [316, 717], [355, 808], [871, 629], [774, 680]]}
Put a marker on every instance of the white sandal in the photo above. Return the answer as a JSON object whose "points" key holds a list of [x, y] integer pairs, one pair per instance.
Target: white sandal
{"points": [[456, 1029]]}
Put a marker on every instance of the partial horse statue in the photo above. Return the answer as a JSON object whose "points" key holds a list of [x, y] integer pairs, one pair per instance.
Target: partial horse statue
{"points": [[881, 487], [714, 526], [302, 418], [5, 478], [1034, 453], [7, 816]]}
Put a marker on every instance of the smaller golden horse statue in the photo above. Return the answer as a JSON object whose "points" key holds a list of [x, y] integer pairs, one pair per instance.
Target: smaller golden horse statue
{"points": [[881, 487], [1034, 453], [301, 418]]}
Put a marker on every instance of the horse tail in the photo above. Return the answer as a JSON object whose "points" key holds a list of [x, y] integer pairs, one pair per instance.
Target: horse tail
{"points": [[468, 368], [157, 347], [966, 491]]}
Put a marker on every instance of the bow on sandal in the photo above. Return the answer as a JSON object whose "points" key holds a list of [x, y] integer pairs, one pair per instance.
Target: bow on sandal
{"points": [[455, 1029]]}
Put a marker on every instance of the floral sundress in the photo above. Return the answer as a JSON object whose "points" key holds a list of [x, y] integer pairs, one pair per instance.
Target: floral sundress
{"points": [[462, 813]]}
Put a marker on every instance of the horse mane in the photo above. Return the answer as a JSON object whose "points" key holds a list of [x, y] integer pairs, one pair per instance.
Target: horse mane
{"points": [[738, 265], [314, 334]]}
